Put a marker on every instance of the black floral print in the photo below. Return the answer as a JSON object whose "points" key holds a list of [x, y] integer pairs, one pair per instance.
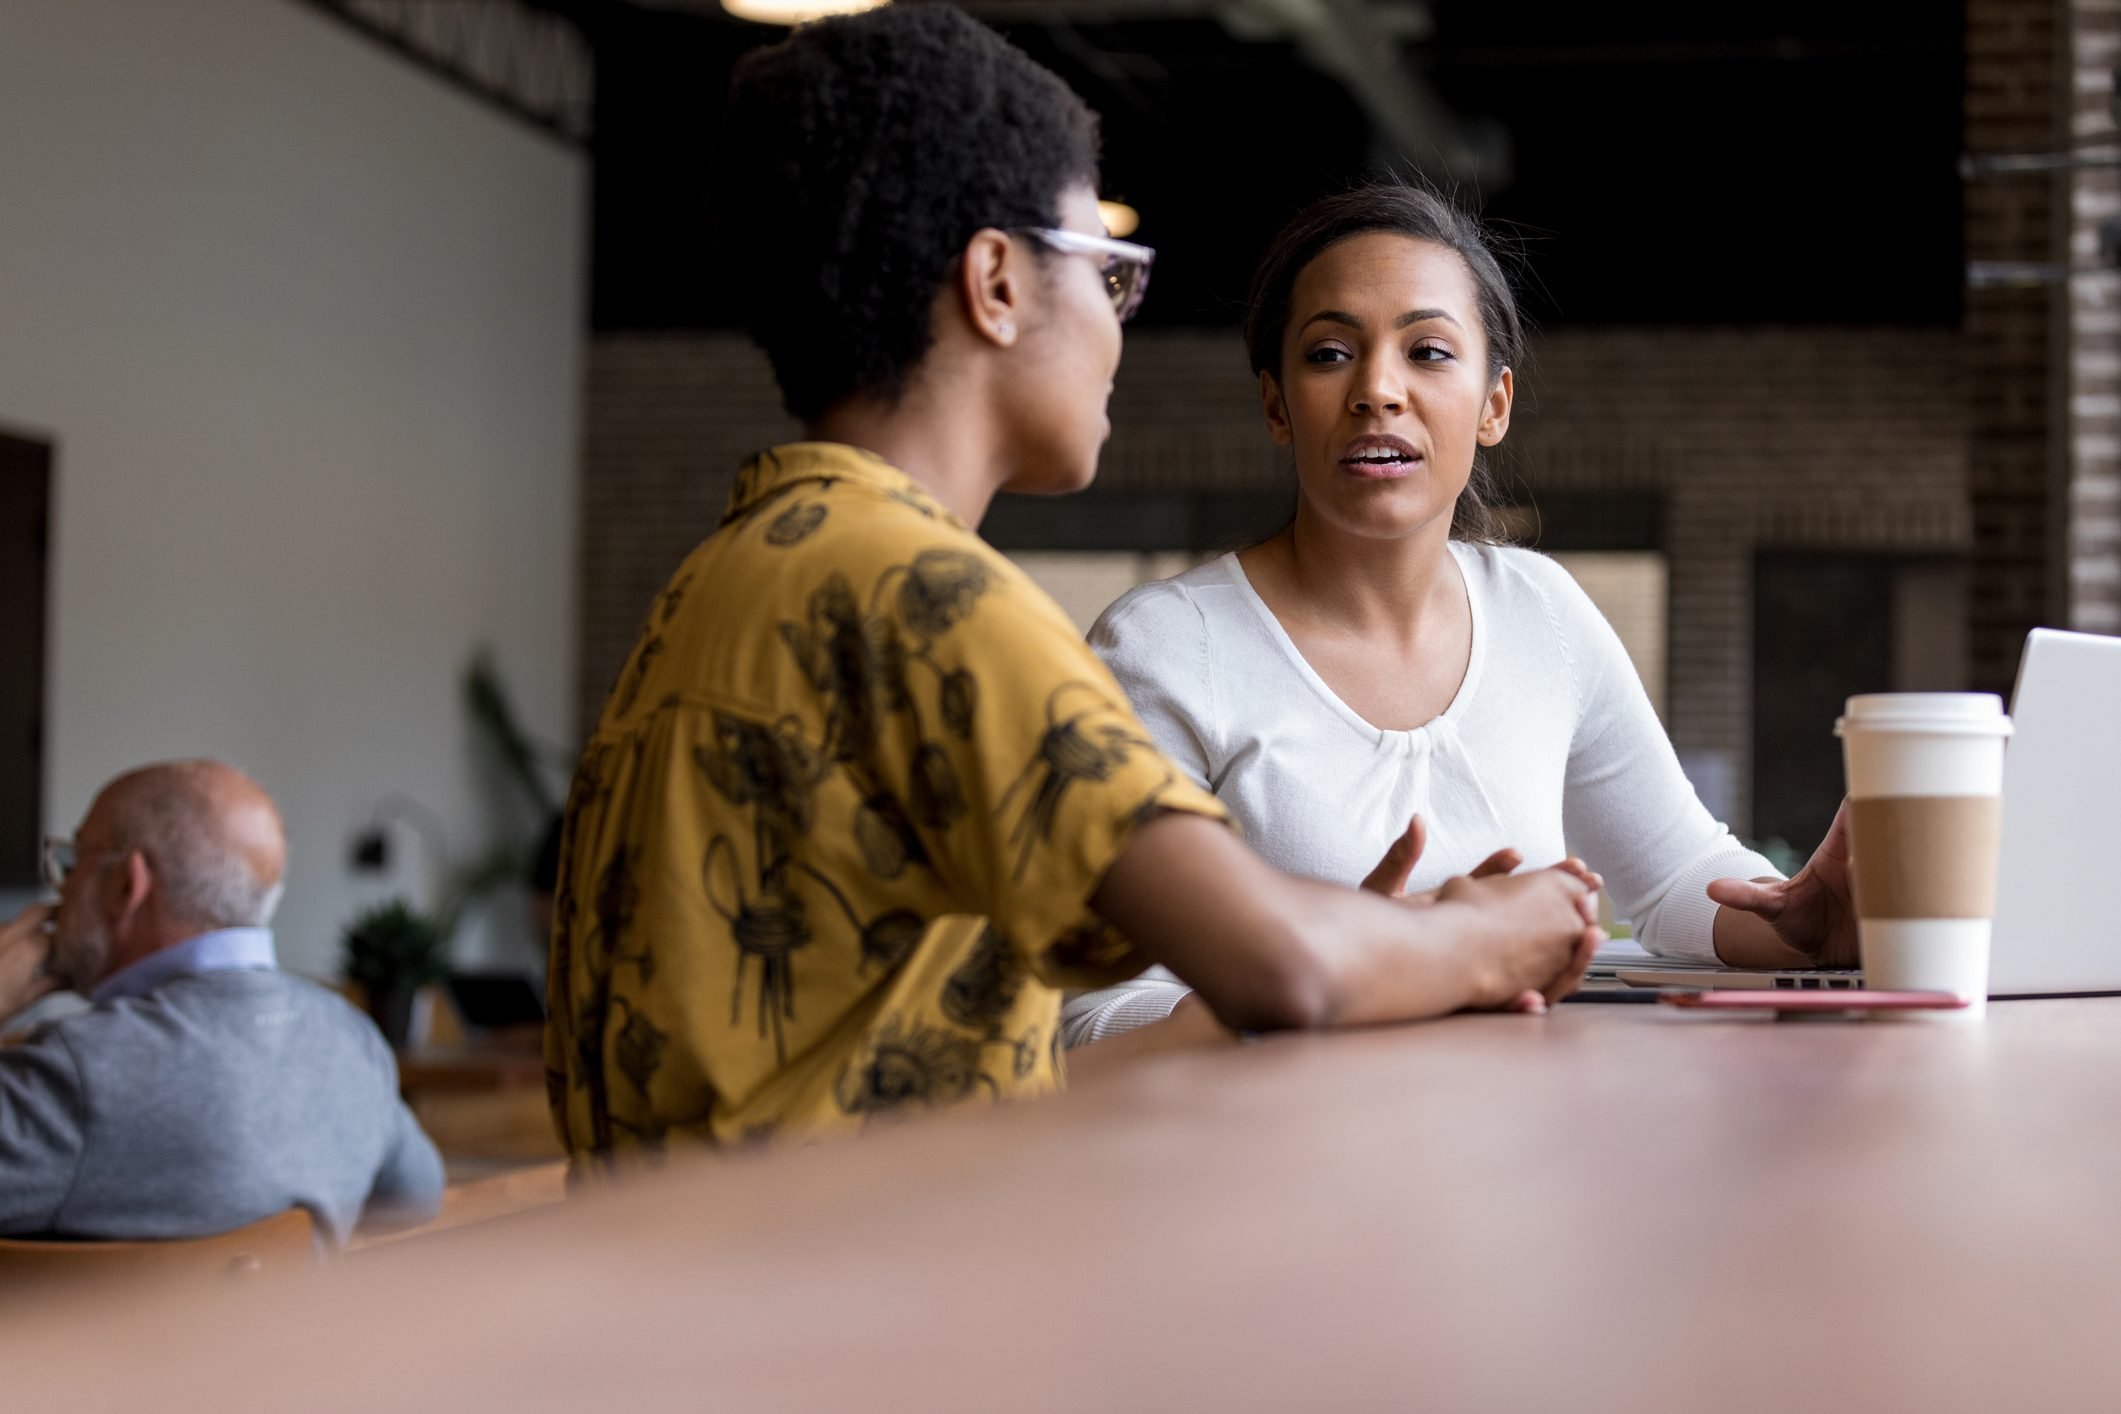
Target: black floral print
{"points": [[889, 939], [1068, 755], [754, 473], [589, 1023], [910, 1065], [639, 1049], [768, 929], [855, 660], [673, 599], [635, 676], [939, 590], [794, 525], [913, 501], [886, 837], [1090, 947], [774, 772], [812, 814], [959, 700], [935, 797], [618, 895], [981, 992]]}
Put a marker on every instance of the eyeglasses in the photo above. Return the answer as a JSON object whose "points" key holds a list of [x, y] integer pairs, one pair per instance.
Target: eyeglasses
{"points": [[1125, 265], [59, 856], [62, 856]]}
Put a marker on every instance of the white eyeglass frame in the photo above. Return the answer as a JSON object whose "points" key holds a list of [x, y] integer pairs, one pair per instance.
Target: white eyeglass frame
{"points": [[1129, 286], [60, 857]]}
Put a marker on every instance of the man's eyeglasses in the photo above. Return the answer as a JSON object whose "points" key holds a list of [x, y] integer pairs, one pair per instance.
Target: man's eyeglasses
{"points": [[61, 855], [59, 859], [1124, 264]]}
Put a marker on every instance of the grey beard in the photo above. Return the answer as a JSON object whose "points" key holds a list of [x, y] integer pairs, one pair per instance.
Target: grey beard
{"points": [[77, 960]]}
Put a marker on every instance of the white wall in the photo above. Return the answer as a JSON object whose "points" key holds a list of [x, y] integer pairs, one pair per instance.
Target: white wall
{"points": [[305, 326]]}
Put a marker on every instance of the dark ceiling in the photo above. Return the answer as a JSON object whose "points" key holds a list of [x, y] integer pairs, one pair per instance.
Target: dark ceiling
{"points": [[1745, 161]]}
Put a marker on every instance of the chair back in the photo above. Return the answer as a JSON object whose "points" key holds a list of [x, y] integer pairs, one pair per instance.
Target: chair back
{"points": [[274, 1246]]}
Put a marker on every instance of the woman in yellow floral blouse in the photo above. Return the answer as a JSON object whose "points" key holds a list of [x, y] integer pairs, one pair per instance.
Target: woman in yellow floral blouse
{"points": [[862, 801]]}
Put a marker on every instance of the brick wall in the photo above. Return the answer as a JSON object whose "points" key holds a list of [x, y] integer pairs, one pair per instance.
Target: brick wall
{"points": [[1751, 439], [2013, 103], [1925, 441], [1755, 439], [665, 422], [668, 417], [2094, 506]]}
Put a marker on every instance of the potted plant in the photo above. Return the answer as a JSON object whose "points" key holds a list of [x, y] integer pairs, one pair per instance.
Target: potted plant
{"points": [[392, 951]]}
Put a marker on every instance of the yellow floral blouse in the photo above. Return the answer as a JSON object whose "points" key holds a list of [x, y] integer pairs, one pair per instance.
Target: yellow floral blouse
{"points": [[828, 854]]}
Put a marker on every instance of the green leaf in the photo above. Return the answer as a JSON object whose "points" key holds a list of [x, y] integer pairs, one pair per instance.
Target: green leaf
{"points": [[393, 946], [495, 718]]}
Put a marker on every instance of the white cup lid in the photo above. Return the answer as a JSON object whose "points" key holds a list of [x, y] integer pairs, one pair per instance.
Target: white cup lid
{"points": [[1955, 712]]}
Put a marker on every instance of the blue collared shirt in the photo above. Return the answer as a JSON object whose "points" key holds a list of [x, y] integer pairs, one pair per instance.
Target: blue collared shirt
{"points": [[223, 950]]}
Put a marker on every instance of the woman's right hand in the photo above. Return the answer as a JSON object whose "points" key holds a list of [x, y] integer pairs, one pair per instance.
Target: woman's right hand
{"points": [[1524, 939]]}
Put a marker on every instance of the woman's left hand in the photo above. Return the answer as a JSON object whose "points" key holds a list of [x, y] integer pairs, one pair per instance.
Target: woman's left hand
{"points": [[1813, 912], [1392, 872]]}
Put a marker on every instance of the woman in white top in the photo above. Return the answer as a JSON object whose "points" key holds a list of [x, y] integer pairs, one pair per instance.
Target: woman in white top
{"points": [[1386, 659]]}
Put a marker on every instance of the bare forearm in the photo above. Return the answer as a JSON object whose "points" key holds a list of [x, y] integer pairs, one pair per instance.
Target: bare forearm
{"points": [[1387, 961], [1264, 950], [1187, 895]]}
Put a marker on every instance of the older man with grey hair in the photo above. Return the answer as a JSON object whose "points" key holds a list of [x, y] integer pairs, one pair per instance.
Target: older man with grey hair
{"points": [[203, 1089]]}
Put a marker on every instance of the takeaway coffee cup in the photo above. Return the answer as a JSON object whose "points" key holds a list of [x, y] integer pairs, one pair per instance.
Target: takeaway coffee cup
{"points": [[1925, 781]]}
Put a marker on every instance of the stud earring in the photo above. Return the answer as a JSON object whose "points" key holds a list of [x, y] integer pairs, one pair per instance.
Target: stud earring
{"points": [[1007, 331]]}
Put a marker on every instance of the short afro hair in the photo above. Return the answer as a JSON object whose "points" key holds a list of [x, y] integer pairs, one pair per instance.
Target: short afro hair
{"points": [[860, 155]]}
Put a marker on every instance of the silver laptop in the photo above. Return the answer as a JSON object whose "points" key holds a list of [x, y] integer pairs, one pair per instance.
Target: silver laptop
{"points": [[2057, 930]]}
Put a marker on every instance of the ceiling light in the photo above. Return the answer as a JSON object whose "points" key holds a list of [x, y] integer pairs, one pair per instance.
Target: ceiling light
{"points": [[795, 12], [1120, 219]]}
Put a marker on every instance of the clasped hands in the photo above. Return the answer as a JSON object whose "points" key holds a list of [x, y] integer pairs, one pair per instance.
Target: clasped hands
{"points": [[1390, 877]]}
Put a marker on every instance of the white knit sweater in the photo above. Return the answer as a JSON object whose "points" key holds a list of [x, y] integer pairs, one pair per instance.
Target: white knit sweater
{"points": [[1550, 739]]}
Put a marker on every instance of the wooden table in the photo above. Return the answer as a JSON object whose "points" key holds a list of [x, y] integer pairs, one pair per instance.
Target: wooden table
{"points": [[1612, 1208]]}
